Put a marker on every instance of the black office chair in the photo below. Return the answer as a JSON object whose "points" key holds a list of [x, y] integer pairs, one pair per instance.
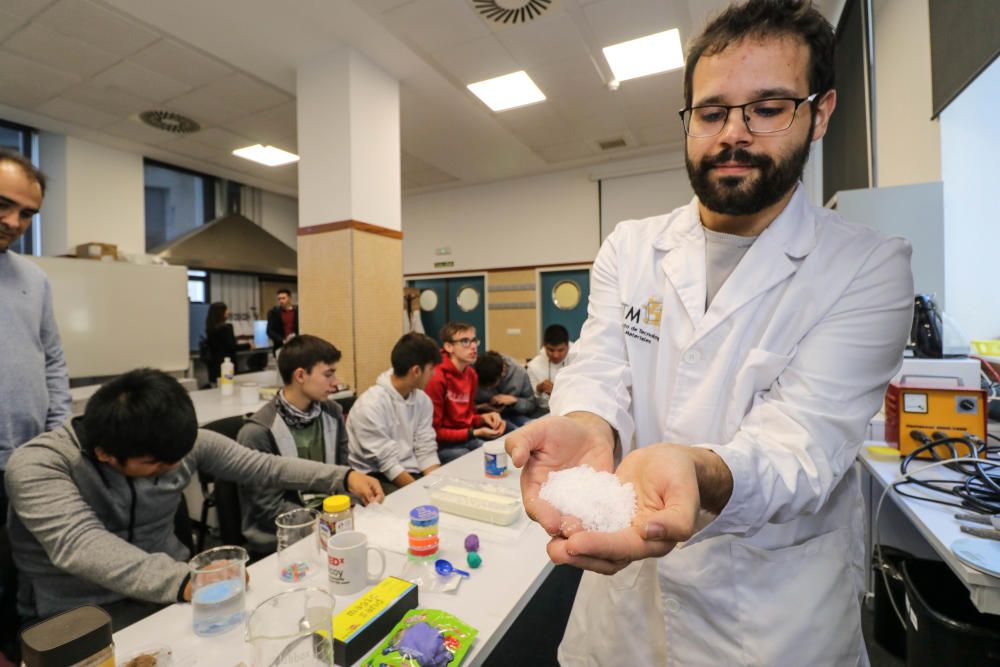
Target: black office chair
{"points": [[183, 526], [221, 494]]}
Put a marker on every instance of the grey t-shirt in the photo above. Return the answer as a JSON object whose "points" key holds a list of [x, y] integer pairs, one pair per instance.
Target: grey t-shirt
{"points": [[722, 253]]}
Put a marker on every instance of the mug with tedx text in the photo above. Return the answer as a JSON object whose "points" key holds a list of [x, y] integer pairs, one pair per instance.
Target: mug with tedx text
{"points": [[347, 553]]}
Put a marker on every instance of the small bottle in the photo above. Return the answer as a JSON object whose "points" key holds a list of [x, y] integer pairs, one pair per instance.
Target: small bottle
{"points": [[495, 458], [226, 373], [337, 516]]}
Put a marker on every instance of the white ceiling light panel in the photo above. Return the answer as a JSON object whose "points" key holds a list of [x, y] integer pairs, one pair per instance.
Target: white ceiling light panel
{"points": [[659, 52], [266, 155], [507, 91]]}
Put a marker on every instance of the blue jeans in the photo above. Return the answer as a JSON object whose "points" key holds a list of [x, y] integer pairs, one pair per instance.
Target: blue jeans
{"points": [[452, 452]]}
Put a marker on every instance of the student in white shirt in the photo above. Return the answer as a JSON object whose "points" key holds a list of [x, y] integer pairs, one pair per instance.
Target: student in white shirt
{"points": [[552, 358]]}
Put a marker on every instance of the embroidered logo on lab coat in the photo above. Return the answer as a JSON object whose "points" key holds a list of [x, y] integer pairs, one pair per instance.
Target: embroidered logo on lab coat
{"points": [[642, 322]]}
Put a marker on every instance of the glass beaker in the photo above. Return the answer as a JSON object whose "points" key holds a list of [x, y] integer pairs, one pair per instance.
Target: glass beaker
{"points": [[294, 628], [218, 589], [298, 545]]}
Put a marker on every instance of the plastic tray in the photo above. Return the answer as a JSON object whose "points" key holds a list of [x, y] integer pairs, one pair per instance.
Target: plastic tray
{"points": [[483, 501]]}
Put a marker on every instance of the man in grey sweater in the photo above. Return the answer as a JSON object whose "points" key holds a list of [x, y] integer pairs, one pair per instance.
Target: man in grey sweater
{"points": [[93, 502], [36, 387], [504, 387]]}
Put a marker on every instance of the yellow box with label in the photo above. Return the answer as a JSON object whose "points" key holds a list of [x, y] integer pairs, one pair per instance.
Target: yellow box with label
{"points": [[368, 619]]}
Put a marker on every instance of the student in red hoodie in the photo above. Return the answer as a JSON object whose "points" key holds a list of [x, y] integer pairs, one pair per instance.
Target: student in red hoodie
{"points": [[452, 390]]}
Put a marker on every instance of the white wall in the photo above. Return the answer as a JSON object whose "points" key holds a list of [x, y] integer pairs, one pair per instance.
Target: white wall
{"points": [[279, 216], [970, 137], [96, 194], [907, 141], [545, 219]]}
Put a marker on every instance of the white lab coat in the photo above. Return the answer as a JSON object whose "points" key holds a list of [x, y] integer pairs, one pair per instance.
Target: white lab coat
{"points": [[779, 377]]}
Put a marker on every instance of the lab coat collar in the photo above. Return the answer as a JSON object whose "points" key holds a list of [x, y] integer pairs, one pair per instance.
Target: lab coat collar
{"points": [[794, 230], [771, 259]]}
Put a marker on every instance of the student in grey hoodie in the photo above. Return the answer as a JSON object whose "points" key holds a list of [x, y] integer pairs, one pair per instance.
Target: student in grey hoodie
{"points": [[390, 428], [504, 387], [300, 422], [93, 502]]}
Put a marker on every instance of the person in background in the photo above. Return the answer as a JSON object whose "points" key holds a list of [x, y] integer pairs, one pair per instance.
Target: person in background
{"points": [[300, 422], [282, 320], [390, 429], [93, 502], [545, 366], [734, 352], [452, 389], [220, 340], [504, 387], [35, 395]]}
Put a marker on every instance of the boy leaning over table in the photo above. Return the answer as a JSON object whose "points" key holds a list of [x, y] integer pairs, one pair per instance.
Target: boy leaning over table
{"points": [[93, 502]]}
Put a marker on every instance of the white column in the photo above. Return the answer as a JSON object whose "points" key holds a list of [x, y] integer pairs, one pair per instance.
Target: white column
{"points": [[348, 142]]}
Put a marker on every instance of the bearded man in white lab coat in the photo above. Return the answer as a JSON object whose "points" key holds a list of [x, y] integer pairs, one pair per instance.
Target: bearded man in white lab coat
{"points": [[733, 354]]}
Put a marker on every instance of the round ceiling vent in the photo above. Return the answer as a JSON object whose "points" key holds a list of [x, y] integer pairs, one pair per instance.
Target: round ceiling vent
{"points": [[511, 11], [168, 121]]}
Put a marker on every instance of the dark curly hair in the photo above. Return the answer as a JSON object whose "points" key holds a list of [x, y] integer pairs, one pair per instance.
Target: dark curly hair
{"points": [[756, 19]]}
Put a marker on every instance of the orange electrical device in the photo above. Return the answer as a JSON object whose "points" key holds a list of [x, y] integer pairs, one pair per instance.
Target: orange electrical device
{"points": [[953, 411]]}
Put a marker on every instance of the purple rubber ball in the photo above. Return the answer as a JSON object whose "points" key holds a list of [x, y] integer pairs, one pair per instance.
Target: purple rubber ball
{"points": [[472, 543]]}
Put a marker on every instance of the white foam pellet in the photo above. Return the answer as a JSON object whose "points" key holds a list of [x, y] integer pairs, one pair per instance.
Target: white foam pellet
{"points": [[598, 499]]}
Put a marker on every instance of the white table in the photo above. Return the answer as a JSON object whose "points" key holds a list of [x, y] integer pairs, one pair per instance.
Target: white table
{"points": [[934, 523], [490, 600]]}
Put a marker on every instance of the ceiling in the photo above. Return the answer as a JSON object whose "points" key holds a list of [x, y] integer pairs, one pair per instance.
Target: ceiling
{"points": [[88, 67]]}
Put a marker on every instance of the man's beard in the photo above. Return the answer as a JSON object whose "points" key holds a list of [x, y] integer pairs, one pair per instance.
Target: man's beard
{"points": [[744, 195]]}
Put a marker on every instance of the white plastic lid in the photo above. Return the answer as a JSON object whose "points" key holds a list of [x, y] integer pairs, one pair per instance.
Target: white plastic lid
{"points": [[494, 447]]}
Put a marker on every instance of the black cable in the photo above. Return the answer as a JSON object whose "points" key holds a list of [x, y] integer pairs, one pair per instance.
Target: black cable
{"points": [[979, 491]]}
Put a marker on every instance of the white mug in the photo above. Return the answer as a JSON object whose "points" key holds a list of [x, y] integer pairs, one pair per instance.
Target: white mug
{"points": [[347, 553]]}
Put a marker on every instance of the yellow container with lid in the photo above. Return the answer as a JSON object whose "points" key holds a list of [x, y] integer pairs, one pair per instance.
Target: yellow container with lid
{"points": [[337, 517], [334, 504]]}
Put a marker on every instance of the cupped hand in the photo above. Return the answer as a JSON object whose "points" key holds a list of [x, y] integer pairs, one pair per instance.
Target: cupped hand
{"points": [[556, 443], [667, 503]]}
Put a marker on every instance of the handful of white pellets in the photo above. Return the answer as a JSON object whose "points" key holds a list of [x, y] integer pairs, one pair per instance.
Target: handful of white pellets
{"points": [[598, 499]]}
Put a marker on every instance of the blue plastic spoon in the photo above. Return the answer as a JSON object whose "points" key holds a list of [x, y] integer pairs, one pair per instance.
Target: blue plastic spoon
{"points": [[444, 568]]}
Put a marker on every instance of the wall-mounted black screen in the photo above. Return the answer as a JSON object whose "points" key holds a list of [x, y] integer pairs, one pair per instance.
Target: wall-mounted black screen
{"points": [[965, 38], [845, 147]]}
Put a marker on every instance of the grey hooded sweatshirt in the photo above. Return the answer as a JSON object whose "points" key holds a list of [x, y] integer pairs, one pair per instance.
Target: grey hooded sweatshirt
{"points": [[390, 434], [82, 533]]}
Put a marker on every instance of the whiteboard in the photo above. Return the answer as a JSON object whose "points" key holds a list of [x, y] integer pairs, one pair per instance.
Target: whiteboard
{"points": [[642, 195], [116, 316]]}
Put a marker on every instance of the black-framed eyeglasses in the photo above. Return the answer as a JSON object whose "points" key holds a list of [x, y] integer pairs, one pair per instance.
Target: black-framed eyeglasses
{"points": [[767, 116], [465, 342]]}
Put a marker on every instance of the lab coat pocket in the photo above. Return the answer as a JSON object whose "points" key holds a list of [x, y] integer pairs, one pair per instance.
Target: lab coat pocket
{"points": [[798, 605]]}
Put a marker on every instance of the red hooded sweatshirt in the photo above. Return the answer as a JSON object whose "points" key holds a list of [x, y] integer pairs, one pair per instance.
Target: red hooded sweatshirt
{"points": [[452, 394]]}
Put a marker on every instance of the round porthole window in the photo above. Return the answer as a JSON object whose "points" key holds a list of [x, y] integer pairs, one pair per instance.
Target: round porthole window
{"points": [[468, 298], [428, 300], [566, 295]]}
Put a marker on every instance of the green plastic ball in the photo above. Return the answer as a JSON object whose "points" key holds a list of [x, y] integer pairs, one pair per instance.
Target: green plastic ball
{"points": [[473, 559]]}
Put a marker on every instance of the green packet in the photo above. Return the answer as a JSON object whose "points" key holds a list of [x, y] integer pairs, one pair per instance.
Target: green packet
{"points": [[424, 638]]}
